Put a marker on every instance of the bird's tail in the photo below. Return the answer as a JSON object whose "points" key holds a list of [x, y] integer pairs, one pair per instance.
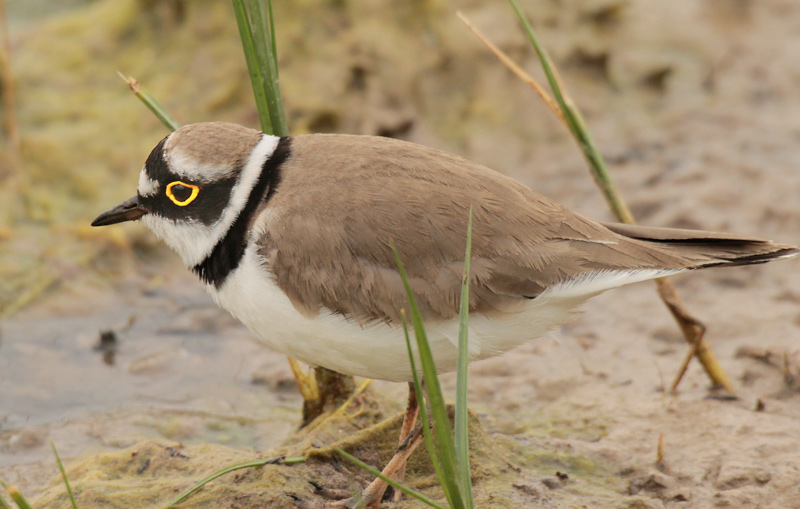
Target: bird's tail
{"points": [[702, 249]]}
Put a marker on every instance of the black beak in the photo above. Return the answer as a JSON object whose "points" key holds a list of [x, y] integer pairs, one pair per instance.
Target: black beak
{"points": [[129, 210]]}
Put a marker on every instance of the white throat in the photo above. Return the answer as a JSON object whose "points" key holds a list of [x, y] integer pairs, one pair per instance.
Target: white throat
{"points": [[193, 240]]}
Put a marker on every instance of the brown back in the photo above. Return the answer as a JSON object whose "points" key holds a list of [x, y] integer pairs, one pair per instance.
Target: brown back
{"points": [[342, 199]]}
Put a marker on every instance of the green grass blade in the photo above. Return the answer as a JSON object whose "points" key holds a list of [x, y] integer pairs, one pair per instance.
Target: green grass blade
{"points": [[441, 426], [3, 503], [272, 83], [152, 103], [250, 55], [266, 54], [219, 473], [543, 57], [64, 475], [405, 489], [423, 411], [260, 50], [258, 27], [18, 497], [272, 40], [158, 109], [462, 415], [577, 125]]}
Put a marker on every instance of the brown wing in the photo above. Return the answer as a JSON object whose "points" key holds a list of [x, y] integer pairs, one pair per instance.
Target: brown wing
{"points": [[342, 199]]}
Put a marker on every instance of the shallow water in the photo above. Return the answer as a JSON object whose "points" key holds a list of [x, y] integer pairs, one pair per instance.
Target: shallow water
{"points": [[180, 368]]}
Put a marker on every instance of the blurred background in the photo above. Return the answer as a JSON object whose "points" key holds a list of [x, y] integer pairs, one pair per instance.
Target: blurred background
{"points": [[693, 103]]}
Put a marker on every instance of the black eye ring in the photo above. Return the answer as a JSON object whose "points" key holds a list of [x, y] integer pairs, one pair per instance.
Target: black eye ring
{"points": [[181, 193]]}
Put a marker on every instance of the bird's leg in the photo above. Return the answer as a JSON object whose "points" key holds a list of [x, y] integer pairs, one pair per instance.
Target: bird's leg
{"points": [[307, 384], [395, 469], [410, 437]]}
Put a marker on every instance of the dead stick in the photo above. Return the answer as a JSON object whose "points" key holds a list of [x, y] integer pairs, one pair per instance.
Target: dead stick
{"points": [[513, 67], [694, 331]]}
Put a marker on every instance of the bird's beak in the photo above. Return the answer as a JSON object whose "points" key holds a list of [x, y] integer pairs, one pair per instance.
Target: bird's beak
{"points": [[129, 210]]}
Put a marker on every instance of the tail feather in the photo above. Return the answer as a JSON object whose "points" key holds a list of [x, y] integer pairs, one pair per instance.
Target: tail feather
{"points": [[703, 249]]}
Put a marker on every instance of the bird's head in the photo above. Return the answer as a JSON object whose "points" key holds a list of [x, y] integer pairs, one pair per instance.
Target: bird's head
{"points": [[195, 184]]}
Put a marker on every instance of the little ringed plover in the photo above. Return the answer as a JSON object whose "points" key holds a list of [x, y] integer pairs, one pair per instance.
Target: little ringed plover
{"points": [[292, 236]]}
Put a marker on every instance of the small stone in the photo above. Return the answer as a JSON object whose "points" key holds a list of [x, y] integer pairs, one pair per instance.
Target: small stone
{"points": [[552, 482], [734, 475]]}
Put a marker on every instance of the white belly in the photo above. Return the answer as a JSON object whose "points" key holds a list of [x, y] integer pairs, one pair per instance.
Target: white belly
{"points": [[379, 350]]}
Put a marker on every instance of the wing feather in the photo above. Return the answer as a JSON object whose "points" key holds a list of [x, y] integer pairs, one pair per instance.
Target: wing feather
{"points": [[343, 200]]}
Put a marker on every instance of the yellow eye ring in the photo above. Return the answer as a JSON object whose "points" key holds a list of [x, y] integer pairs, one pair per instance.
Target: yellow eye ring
{"points": [[187, 201]]}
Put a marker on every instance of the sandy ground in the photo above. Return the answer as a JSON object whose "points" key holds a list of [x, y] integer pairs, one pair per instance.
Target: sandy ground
{"points": [[694, 105]]}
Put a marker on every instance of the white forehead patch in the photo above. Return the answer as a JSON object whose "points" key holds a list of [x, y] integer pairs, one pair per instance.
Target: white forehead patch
{"points": [[147, 186], [184, 164], [209, 151]]}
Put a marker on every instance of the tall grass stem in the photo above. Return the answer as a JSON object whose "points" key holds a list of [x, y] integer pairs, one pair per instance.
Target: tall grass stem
{"points": [[576, 125], [441, 429], [152, 103], [258, 42], [461, 427], [423, 410], [64, 475]]}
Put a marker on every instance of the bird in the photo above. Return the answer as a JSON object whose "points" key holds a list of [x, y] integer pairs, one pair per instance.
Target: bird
{"points": [[294, 237]]}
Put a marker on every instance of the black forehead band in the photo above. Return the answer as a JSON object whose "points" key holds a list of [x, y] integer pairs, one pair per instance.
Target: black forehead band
{"points": [[156, 166]]}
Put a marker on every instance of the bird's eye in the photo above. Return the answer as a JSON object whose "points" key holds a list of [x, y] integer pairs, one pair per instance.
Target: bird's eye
{"points": [[181, 193]]}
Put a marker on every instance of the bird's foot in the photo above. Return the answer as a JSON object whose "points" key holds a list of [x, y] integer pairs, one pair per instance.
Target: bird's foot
{"points": [[378, 490]]}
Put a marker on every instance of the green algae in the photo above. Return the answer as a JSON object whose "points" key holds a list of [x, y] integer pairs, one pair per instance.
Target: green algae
{"points": [[567, 421], [507, 471]]}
